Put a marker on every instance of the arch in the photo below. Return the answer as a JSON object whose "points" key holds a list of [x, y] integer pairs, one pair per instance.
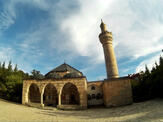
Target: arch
{"points": [[34, 94], [50, 96], [93, 87], [99, 96], [70, 95]]}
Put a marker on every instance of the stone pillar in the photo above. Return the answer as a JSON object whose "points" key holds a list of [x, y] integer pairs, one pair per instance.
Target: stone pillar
{"points": [[59, 98], [42, 101], [110, 59], [83, 99], [25, 93], [42, 93]]}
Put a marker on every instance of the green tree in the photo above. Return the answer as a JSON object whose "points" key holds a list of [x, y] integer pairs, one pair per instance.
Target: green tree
{"points": [[16, 68], [10, 66], [150, 83], [3, 65], [11, 82], [36, 74]]}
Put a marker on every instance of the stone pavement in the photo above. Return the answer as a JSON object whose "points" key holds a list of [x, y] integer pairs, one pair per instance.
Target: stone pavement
{"points": [[145, 111]]}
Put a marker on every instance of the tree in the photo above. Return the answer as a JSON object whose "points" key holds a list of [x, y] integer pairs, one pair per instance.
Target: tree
{"points": [[147, 72], [11, 82], [3, 65], [16, 68], [161, 61], [10, 66], [150, 84], [36, 74]]}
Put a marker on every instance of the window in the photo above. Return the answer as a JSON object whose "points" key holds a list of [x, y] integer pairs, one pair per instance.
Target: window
{"points": [[89, 97], [93, 96], [98, 96], [93, 88]]}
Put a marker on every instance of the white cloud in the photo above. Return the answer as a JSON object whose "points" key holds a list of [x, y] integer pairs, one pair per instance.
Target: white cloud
{"points": [[9, 54], [83, 28], [6, 19], [8, 16], [6, 54], [102, 77], [134, 35], [42, 4], [136, 25]]}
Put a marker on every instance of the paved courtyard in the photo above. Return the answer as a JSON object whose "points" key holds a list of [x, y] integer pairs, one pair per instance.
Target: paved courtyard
{"points": [[145, 111]]}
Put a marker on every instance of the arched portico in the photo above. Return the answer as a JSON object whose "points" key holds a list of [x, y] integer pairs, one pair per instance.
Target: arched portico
{"points": [[50, 96], [63, 93], [70, 95], [34, 95]]}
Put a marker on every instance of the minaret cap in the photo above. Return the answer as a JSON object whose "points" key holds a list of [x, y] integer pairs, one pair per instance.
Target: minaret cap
{"points": [[103, 26]]}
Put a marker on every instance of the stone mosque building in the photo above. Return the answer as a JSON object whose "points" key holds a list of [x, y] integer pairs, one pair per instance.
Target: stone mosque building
{"points": [[67, 88]]}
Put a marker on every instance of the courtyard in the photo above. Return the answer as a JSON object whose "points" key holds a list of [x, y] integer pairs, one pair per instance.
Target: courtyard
{"points": [[145, 111]]}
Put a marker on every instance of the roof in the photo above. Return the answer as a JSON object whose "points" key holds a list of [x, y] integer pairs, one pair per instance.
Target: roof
{"points": [[63, 68]]}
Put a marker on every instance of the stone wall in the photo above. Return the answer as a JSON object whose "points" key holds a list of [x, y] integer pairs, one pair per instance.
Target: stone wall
{"points": [[97, 83], [95, 93], [117, 92]]}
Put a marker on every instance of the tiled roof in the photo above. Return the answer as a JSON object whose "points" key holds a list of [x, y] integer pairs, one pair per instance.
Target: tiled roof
{"points": [[63, 68]]}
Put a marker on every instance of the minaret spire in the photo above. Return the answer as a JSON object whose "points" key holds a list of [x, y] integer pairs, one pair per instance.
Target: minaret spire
{"points": [[110, 59], [103, 26], [101, 21]]}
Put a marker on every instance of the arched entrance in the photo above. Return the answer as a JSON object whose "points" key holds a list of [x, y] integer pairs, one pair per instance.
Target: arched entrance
{"points": [[34, 94], [70, 95], [50, 96]]}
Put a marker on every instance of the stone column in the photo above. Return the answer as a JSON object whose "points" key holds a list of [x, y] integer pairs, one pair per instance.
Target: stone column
{"points": [[42, 93], [25, 93], [59, 99], [83, 99], [42, 103], [110, 59]]}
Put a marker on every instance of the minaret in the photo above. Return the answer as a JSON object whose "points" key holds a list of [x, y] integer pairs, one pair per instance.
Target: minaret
{"points": [[110, 60]]}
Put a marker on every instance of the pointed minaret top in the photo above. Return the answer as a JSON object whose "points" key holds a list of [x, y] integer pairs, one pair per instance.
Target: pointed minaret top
{"points": [[103, 26], [101, 21]]}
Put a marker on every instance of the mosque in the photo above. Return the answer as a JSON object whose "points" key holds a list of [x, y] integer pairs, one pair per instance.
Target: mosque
{"points": [[66, 88]]}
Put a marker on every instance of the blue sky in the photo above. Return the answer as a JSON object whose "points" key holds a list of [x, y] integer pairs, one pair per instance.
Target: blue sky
{"points": [[42, 34]]}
